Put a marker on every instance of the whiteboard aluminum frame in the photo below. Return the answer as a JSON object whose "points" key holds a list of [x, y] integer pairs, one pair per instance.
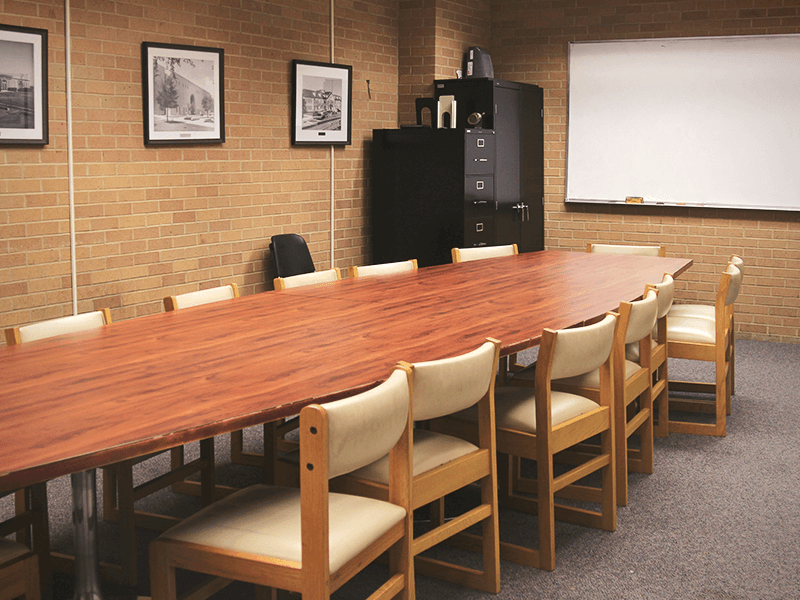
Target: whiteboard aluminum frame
{"points": [[793, 204]]}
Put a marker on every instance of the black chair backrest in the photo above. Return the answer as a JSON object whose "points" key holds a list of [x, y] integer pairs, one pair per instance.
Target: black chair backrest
{"points": [[290, 255]]}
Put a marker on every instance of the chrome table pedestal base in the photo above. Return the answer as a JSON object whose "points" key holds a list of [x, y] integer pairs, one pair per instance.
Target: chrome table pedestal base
{"points": [[84, 523]]}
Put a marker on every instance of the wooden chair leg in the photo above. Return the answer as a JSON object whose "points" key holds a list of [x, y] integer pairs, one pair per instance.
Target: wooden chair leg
{"points": [[162, 575], [547, 518]]}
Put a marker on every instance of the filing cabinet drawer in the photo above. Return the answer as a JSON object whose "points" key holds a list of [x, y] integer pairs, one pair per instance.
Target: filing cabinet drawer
{"points": [[479, 152], [479, 190], [478, 232]]}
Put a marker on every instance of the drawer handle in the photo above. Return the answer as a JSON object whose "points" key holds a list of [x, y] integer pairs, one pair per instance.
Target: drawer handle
{"points": [[481, 160], [479, 185], [481, 142], [479, 227]]}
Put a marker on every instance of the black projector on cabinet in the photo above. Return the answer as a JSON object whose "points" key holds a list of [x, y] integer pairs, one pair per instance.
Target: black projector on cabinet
{"points": [[478, 63]]}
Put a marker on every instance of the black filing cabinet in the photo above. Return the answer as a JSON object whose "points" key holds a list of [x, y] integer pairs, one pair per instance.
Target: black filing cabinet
{"points": [[515, 112], [432, 190], [436, 189]]}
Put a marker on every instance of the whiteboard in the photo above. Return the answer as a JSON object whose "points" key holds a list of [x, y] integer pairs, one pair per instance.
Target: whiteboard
{"points": [[711, 121]]}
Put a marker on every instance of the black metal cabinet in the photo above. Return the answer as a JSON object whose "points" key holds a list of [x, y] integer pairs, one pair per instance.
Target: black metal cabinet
{"points": [[432, 190], [515, 112], [436, 189]]}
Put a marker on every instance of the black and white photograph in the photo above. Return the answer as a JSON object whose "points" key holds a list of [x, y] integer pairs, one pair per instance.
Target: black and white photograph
{"points": [[183, 97], [321, 103], [23, 85]]}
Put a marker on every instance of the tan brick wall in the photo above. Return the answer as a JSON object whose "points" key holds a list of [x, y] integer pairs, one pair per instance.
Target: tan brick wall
{"points": [[157, 221], [434, 34], [529, 44]]}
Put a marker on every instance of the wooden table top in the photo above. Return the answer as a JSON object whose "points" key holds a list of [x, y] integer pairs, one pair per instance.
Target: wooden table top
{"points": [[84, 400]]}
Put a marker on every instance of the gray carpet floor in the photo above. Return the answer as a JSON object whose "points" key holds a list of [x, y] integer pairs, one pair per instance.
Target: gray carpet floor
{"points": [[718, 520]]}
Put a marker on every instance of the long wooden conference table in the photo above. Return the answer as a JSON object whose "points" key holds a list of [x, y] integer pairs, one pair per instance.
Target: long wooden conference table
{"points": [[77, 402]]}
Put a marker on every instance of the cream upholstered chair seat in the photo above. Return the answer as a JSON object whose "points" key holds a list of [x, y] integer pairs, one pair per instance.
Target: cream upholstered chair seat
{"points": [[692, 329], [516, 409], [265, 521], [699, 311], [431, 450]]}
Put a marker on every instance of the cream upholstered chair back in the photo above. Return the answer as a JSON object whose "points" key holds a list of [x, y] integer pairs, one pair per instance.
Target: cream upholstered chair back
{"points": [[642, 318], [626, 249], [583, 349], [366, 427], [200, 297], [735, 285], [666, 294], [446, 386], [468, 254], [315, 278], [737, 261], [60, 326], [382, 269]]}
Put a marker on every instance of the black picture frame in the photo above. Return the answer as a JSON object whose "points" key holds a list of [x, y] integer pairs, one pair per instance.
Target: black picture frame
{"points": [[183, 95], [23, 86], [322, 102]]}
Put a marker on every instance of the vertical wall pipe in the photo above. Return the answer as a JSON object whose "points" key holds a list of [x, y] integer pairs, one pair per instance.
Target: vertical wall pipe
{"points": [[333, 203], [70, 169]]}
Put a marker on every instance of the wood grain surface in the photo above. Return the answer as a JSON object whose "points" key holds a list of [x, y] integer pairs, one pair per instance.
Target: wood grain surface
{"points": [[84, 400]]}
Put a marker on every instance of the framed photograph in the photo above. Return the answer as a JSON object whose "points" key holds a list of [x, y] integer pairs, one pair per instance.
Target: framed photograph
{"points": [[321, 103], [183, 97], [23, 85]]}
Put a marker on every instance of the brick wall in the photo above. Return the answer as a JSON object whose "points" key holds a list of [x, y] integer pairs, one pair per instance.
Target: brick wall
{"points": [[434, 34], [158, 221], [529, 44]]}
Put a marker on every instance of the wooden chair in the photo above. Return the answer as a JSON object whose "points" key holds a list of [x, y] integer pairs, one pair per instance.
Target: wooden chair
{"points": [[315, 278], [459, 255], [189, 300], [626, 249], [275, 433], [707, 311], [54, 327], [119, 492], [25, 563], [200, 297], [34, 496], [481, 252], [308, 540], [658, 356], [382, 269], [632, 383], [444, 464], [538, 424], [704, 339]]}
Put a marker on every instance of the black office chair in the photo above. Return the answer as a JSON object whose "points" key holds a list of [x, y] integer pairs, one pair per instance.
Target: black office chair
{"points": [[290, 255]]}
